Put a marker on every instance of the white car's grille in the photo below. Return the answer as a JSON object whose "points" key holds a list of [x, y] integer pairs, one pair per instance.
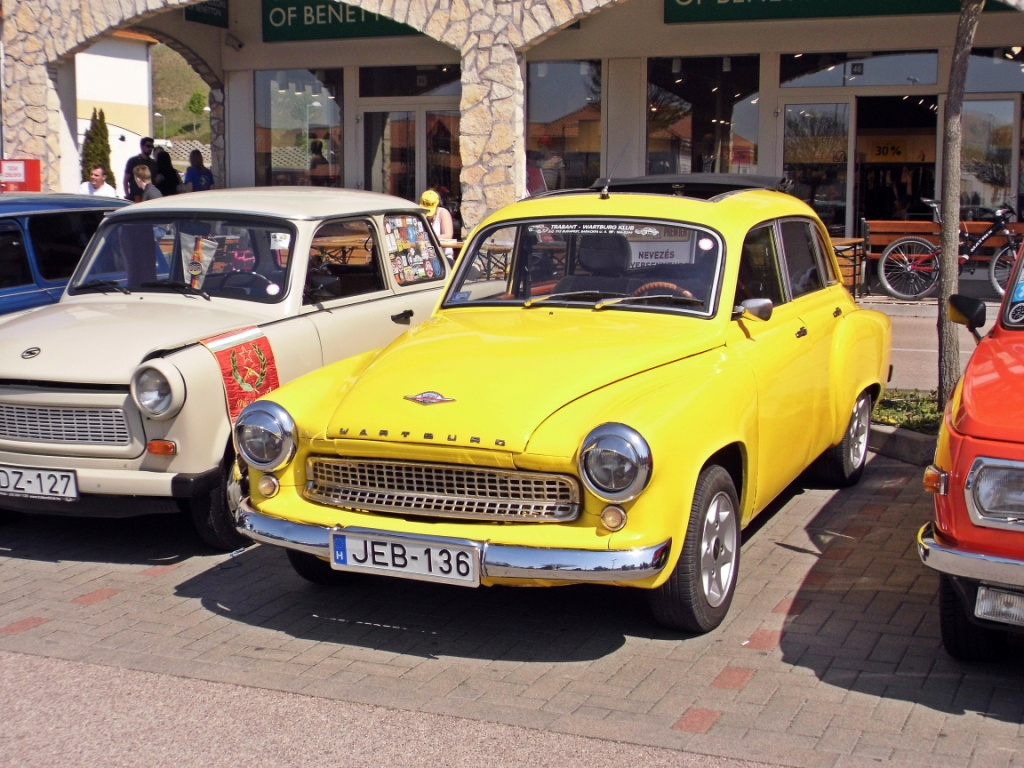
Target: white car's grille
{"points": [[83, 426], [442, 490]]}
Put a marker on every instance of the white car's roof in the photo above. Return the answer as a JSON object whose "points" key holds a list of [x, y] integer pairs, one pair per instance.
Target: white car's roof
{"points": [[288, 202]]}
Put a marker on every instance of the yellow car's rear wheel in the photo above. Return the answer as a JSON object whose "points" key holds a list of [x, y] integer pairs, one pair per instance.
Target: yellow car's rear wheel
{"points": [[698, 594]]}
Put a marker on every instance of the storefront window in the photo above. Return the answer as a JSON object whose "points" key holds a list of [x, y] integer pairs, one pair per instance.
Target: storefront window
{"points": [[429, 80], [814, 158], [563, 140], [828, 70], [702, 114], [996, 70], [298, 127]]}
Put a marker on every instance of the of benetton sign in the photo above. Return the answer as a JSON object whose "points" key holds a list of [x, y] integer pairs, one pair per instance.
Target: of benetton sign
{"points": [[677, 11], [324, 20]]}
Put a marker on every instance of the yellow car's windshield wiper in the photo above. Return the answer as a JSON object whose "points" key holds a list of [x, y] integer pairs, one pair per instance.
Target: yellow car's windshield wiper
{"points": [[575, 296], [655, 298]]}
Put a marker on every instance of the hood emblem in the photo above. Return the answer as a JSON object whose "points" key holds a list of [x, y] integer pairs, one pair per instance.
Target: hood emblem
{"points": [[429, 398], [31, 352]]}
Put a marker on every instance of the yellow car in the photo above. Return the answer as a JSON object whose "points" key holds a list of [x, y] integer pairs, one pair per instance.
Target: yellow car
{"points": [[613, 385]]}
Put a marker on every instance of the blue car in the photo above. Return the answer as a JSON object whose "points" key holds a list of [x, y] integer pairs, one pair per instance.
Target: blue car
{"points": [[42, 237]]}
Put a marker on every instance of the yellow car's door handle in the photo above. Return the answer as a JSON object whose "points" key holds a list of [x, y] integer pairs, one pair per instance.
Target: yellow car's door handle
{"points": [[801, 333]]}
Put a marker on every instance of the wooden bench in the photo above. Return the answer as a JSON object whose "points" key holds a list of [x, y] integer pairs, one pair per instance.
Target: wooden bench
{"points": [[879, 233]]}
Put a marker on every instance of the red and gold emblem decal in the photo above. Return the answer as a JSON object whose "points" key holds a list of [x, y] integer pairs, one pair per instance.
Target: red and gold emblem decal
{"points": [[247, 366]]}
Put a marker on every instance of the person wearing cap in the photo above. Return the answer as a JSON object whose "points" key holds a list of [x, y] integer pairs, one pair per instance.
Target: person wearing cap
{"points": [[439, 217]]}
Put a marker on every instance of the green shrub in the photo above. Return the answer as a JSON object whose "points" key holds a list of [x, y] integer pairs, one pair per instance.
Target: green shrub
{"points": [[912, 409]]}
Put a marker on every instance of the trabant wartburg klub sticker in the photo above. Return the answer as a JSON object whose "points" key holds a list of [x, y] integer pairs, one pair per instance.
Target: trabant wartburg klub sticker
{"points": [[246, 364], [429, 398]]}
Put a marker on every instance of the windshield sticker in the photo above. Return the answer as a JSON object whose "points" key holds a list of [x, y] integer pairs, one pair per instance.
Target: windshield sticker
{"points": [[411, 252], [662, 252], [247, 366], [280, 241]]}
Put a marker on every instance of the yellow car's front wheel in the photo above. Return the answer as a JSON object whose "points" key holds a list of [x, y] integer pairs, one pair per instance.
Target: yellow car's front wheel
{"points": [[698, 594]]}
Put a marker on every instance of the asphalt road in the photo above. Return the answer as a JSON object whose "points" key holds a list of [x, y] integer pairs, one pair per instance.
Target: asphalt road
{"points": [[915, 337]]}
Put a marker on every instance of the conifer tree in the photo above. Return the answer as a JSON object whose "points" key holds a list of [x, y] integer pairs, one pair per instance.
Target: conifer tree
{"points": [[96, 145]]}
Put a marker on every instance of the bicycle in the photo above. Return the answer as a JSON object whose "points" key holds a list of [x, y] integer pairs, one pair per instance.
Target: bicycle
{"points": [[909, 266]]}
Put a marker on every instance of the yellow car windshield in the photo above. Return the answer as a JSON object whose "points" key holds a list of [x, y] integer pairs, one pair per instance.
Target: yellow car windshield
{"points": [[606, 262]]}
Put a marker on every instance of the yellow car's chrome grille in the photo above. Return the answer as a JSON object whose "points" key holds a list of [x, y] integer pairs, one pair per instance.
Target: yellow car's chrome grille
{"points": [[442, 490], [97, 426]]}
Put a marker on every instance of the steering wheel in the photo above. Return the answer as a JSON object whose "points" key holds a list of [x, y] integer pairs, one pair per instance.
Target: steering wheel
{"points": [[663, 286], [250, 278]]}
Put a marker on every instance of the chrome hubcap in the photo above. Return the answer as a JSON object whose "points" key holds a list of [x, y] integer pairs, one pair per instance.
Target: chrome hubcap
{"points": [[718, 549], [858, 432]]}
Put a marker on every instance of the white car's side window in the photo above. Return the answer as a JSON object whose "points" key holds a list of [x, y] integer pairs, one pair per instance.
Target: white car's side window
{"points": [[344, 260]]}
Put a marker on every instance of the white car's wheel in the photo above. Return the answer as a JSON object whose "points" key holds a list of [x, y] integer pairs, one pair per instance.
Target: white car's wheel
{"points": [[213, 514], [698, 594]]}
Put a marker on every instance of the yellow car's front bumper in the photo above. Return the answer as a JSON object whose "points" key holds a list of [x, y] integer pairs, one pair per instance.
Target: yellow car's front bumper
{"points": [[498, 561]]}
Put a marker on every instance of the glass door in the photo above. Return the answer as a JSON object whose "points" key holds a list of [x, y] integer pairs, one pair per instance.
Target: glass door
{"points": [[389, 153], [408, 151], [988, 175], [816, 152], [444, 161]]}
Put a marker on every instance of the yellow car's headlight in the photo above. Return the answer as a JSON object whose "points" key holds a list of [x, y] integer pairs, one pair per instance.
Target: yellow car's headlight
{"points": [[265, 436], [615, 462], [158, 389]]}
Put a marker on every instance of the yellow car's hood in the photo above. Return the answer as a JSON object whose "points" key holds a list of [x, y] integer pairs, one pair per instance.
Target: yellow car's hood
{"points": [[488, 380]]}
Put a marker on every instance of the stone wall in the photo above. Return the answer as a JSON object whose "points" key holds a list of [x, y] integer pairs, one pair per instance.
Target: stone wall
{"points": [[39, 35]]}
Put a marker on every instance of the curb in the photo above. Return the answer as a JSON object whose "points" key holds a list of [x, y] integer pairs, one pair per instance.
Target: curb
{"points": [[903, 444]]}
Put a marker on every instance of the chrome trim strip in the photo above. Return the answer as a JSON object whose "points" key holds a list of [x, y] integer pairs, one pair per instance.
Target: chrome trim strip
{"points": [[497, 561], [969, 565]]}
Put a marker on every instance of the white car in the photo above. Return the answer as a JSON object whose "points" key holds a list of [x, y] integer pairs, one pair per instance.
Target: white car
{"points": [[119, 399]]}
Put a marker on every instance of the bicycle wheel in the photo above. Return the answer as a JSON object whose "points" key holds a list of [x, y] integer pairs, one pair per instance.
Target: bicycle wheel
{"points": [[999, 268], [909, 268]]}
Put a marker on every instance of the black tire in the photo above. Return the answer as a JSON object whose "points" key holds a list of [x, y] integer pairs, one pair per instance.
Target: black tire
{"points": [[909, 268], [842, 465], [962, 638], [312, 568], [214, 516], [699, 591], [999, 268]]}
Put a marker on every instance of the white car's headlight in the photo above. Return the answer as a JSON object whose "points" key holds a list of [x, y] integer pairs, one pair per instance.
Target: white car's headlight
{"points": [[996, 488], [158, 389], [265, 436], [615, 462]]}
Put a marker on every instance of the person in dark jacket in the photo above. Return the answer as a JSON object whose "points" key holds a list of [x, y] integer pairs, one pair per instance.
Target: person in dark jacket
{"points": [[168, 180]]}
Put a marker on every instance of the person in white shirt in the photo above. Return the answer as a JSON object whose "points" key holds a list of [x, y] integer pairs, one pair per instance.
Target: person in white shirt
{"points": [[97, 184]]}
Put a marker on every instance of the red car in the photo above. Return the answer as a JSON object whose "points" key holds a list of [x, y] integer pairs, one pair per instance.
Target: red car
{"points": [[976, 541]]}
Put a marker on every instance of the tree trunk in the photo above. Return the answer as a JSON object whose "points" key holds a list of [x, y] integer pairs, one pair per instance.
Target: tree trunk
{"points": [[949, 345]]}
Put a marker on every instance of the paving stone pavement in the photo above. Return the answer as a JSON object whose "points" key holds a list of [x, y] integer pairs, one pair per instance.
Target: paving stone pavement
{"points": [[830, 655]]}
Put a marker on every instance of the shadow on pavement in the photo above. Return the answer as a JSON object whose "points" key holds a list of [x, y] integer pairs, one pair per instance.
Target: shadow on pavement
{"points": [[865, 618], [572, 623], [145, 540]]}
